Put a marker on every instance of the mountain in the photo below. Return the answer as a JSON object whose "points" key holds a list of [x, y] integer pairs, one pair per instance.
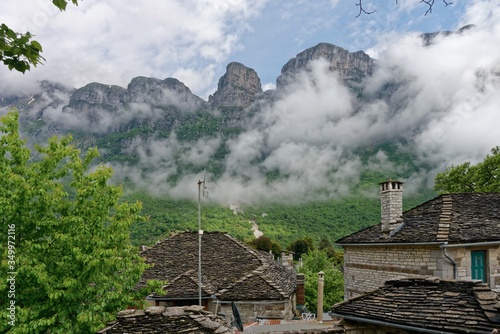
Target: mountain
{"points": [[349, 65], [129, 124], [328, 134], [238, 87]]}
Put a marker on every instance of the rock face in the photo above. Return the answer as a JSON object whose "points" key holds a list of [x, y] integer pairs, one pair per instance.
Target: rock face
{"points": [[349, 65], [238, 87], [163, 92], [429, 38], [102, 108], [160, 319], [97, 94]]}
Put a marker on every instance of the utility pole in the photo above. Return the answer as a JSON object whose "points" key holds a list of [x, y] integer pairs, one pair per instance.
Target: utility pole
{"points": [[200, 232]]}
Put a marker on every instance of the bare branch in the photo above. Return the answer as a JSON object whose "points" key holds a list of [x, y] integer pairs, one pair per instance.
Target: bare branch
{"points": [[430, 3], [361, 9]]}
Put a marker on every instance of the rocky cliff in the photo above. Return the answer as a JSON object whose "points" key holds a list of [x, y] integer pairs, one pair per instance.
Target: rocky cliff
{"points": [[162, 104], [163, 92], [349, 65], [238, 87]]}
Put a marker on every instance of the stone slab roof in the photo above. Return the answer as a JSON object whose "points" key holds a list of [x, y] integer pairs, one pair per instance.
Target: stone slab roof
{"points": [[452, 218], [433, 304], [168, 320], [230, 269]]}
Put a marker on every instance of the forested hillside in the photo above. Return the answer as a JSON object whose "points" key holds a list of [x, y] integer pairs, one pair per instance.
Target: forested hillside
{"points": [[281, 222]]}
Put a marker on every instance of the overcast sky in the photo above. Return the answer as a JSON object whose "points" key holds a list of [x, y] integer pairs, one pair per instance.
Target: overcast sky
{"points": [[112, 41], [447, 101]]}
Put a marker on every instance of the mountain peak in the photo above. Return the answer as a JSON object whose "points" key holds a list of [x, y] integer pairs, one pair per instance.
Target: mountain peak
{"points": [[349, 65], [238, 87]]}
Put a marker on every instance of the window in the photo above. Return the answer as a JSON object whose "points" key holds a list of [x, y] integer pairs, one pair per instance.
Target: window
{"points": [[478, 265]]}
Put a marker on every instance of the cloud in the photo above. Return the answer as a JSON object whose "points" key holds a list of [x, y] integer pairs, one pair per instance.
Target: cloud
{"points": [[112, 41], [442, 99]]}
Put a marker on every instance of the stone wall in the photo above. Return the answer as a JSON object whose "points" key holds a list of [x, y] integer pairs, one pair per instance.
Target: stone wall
{"points": [[462, 257], [250, 310], [368, 267]]}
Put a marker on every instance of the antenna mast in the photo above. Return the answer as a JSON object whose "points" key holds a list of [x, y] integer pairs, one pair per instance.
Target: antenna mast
{"points": [[200, 232]]}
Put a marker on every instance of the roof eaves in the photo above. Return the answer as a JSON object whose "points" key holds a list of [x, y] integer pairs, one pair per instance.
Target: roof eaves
{"points": [[389, 324], [374, 244]]}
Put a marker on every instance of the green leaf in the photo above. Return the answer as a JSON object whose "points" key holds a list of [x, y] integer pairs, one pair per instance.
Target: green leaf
{"points": [[72, 246]]}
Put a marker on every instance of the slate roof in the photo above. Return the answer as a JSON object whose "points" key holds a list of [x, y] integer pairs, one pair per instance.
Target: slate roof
{"points": [[433, 304], [452, 218], [230, 269], [168, 320]]}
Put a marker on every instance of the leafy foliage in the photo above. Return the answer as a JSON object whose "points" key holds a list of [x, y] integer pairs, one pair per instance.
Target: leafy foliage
{"points": [[283, 224], [321, 219], [300, 247], [482, 177], [264, 243], [337, 256], [167, 216], [18, 51], [68, 242], [314, 262]]}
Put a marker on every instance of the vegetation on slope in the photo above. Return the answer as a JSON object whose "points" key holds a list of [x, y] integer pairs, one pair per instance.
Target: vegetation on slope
{"points": [[280, 222]]}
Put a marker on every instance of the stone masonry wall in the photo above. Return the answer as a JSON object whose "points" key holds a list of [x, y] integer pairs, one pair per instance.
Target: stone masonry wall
{"points": [[367, 268], [391, 205], [250, 310], [462, 257]]}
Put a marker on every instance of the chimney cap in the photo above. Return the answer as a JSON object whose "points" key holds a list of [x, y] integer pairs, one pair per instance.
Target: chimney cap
{"points": [[391, 180]]}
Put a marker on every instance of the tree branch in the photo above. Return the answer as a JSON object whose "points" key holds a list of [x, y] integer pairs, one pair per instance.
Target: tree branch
{"points": [[361, 9], [429, 3]]}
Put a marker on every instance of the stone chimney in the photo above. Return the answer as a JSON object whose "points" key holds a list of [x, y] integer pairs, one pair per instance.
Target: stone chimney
{"points": [[391, 202], [287, 260]]}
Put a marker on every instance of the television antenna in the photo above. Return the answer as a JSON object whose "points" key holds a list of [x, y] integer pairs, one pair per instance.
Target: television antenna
{"points": [[202, 190]]}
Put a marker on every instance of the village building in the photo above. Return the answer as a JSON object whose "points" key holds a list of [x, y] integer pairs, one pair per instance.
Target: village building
{"points": [[421, 305], [453, 236], [231, 271]]}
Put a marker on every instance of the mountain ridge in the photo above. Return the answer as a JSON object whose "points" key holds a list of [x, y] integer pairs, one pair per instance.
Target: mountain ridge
{"points": [[336, 125]]}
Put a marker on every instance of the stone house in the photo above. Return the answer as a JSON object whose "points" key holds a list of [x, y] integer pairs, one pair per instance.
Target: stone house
{"points": [[230, 271], [422, 306], [453, 236]]}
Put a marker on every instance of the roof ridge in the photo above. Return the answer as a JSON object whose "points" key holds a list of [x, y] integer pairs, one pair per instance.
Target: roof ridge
{"points": [[232, 285], [262, 273], [445, 218], [249, 249], [206, 286]]}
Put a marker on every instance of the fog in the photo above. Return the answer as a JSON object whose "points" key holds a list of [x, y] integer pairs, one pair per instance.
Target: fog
{"points": [[444, 102]]}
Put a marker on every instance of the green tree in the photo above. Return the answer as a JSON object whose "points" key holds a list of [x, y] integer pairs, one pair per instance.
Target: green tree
{"points": [[17, 50], [264, 243], [337, 256], [300, 247], [64, 241], [482, 177], [312, 263]]}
